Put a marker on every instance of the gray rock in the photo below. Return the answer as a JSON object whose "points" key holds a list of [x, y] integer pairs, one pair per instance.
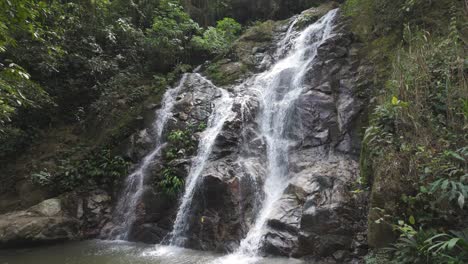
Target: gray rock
{"points": [[48, 208], [340, 255], [45, 222]]}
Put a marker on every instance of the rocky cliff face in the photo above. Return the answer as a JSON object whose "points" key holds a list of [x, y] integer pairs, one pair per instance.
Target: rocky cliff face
{"points": [[318, 214]]}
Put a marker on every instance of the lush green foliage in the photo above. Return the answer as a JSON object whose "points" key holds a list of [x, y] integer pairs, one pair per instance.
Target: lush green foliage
{"points": [[88, 63], [99, 168], [171, 33], [429, 246], [16, 90], [416, 140], [218, 39]]}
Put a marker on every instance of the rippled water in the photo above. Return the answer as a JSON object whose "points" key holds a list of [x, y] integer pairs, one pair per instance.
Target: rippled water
{"points": [[117, 252]]}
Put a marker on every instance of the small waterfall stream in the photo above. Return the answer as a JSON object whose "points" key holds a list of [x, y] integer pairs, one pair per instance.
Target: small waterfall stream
{"points": [[125, 210], [280, 87], [222, 112]]}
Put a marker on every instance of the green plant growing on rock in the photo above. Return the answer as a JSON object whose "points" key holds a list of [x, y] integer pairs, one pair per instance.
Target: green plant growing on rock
{"points": [[451, 247], [171, 183], [42, 178], [453, 185], [181, 144]]}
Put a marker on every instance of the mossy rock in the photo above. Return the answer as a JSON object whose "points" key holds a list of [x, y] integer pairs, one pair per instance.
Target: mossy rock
{"points": [[225, 72], [240, 59], [262, 32], [313, 14], [378, 256]]}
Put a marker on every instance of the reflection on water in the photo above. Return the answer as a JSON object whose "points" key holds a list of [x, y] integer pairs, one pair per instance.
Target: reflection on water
{"points": [[115, 252]]}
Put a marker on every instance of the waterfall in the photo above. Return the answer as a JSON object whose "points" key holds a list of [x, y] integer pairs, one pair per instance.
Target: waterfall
{"points": [[277, 91], [125, 210], [222, 112], [279, 88]]}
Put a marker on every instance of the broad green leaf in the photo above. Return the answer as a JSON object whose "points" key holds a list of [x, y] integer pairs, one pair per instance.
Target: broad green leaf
{"points": [[456, 156], [452, 242]]}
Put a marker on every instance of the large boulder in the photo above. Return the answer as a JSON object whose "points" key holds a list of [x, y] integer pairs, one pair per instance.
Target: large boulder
{"points": [[71, 216], [45, 222]]}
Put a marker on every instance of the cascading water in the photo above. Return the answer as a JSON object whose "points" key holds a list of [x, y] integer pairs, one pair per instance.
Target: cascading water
{"points": [[125, 211], [222, 112], [279, 88]]}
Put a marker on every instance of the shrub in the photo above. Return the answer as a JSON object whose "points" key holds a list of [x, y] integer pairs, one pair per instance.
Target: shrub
{"points": [[217, 40], [415, 144], [99, 168], [171, 33], [181, 144], [426, 247]]}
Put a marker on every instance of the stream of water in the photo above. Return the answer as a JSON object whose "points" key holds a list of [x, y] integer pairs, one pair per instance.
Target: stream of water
{"points": [[125, 211], [222, 112]]}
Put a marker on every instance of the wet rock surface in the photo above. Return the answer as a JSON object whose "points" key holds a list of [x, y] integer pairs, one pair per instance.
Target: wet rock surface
{"points": [[318, 214]]}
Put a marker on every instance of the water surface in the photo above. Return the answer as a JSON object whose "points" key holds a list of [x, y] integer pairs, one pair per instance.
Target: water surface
{"points": [[117, 252]]}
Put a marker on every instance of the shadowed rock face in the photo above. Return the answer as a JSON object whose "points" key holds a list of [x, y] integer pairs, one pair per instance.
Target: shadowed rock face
{"points": [[317, 215]]}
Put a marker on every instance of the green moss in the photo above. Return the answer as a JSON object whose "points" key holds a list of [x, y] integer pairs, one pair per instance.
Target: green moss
{"points": [[240, 59], [225, 72], [378, 257]]}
